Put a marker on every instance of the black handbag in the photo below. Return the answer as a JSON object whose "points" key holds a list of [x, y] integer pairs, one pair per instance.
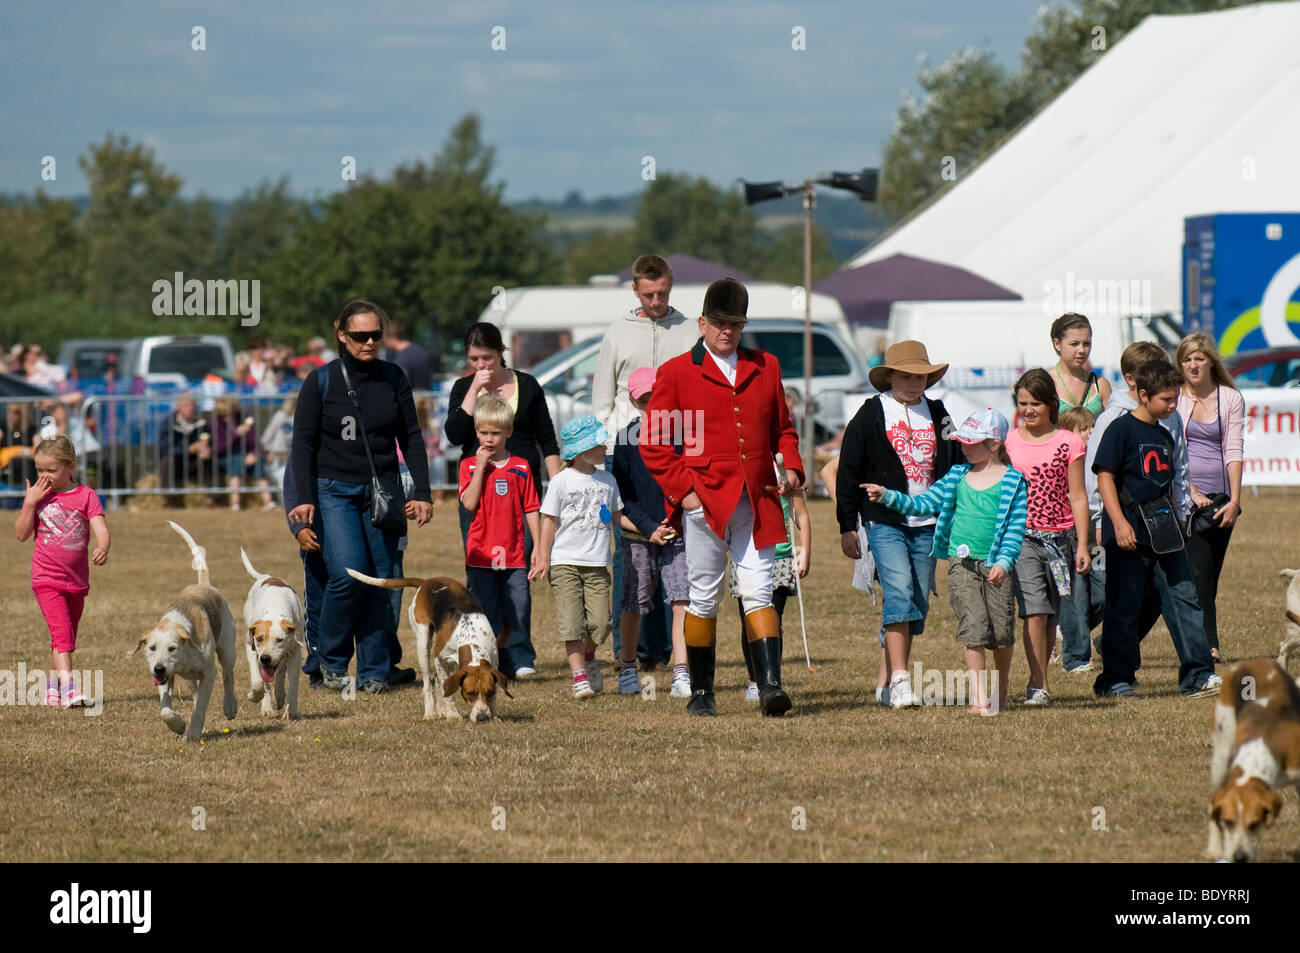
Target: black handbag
{"points": [[387, 501], [1161, 521]]}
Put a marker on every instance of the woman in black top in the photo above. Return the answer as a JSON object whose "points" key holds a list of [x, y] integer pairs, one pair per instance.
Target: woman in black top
{"points": [[331, 472], [534, 434], [533, 438]]}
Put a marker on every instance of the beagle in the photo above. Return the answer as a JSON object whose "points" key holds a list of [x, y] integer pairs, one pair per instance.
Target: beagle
{"points": [[463, 649], [1291, 644], [273, 620], [195, 634], [1256, 753]]}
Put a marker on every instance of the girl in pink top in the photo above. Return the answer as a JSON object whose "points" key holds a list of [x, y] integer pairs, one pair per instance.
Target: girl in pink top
{"points": [[61, 512], [1056, 534]]}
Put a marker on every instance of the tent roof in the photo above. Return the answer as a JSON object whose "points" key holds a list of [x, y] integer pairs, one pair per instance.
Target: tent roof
{"points": [[1186, 115], [866, 292], [687, 269]]}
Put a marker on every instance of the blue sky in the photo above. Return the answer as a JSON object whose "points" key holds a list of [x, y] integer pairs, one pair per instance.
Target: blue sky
{"points": [[581, 93]]}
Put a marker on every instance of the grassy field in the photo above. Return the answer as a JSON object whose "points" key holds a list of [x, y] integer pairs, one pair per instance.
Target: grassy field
{"points": [[616, 778]]}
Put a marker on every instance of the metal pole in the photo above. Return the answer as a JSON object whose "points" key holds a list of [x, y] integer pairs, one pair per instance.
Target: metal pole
{"points": [[809, 203]]}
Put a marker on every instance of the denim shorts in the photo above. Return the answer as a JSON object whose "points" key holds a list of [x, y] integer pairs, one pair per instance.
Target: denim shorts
{"points": [[906, 572]]}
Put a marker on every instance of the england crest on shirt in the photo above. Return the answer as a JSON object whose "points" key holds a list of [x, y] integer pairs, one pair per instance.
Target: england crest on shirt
{"points": [[501, 486]]}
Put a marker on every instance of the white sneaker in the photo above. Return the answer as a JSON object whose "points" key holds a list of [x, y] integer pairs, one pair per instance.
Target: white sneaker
{"points": [[582, 689], [1210, 686], [1038, 697], [900, 692], [628, 682], [524, 671], [681, 687], [751, 693]]}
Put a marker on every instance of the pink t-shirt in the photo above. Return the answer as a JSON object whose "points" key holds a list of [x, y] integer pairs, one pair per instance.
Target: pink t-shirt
{"points": [[1046, 467], [59, 559]]}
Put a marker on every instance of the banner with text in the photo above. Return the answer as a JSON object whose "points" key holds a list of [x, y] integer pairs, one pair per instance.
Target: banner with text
{"points": [[1272, 452]]}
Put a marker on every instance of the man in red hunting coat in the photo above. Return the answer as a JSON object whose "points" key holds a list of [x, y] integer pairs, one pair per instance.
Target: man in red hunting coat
{"points": [[725, 406]]}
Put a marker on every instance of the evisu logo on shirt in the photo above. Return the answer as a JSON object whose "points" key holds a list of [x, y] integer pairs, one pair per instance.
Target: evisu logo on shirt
{"points": [[1155, 462]]}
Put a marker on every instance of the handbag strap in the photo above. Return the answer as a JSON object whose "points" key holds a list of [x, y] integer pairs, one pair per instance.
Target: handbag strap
{"points": [[365, 441]]}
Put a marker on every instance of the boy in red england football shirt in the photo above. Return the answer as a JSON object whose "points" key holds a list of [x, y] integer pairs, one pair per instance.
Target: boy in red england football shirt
{"points": [[500, 491]]}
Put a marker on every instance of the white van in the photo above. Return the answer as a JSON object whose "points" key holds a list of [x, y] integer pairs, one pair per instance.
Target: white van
{"points": [[567, 376], [536, 322]]}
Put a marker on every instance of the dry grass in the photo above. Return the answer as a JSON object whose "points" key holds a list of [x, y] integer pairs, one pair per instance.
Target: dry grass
{"points": [[618, 777]]}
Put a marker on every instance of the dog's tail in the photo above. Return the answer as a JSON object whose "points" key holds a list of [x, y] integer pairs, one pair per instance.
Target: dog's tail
{"points": [[259, 576], [1289, 573], [200, 560], [402, 583]]}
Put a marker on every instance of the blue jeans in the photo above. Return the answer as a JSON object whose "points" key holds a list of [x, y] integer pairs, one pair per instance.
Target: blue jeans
{"points": [[906, 571], [351, 608], [1081, 612], [519, 651], [1129, 613], [506, 601]]}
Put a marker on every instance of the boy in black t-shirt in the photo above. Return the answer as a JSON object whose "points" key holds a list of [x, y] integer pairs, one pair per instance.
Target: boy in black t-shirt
{"points": [[1135, 460]]}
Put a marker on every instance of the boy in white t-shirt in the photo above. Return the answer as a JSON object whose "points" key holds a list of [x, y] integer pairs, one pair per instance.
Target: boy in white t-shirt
{"points": [[581, 504]]}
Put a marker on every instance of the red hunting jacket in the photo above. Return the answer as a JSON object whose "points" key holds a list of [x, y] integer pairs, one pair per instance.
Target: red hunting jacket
{"points": [[730, 437]]}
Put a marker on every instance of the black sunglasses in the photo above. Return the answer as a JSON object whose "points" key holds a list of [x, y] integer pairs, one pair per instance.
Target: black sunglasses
{"points": [[361, 337]]}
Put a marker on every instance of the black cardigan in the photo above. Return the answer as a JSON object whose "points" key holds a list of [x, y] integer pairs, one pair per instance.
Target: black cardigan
{"points": [[533, 430], [866, 456], [319, 446]]}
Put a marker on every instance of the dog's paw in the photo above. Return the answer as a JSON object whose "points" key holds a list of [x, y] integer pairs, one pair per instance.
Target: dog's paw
{"points": [[289, 714], [255, 693], [173, 721], [452, 716]]}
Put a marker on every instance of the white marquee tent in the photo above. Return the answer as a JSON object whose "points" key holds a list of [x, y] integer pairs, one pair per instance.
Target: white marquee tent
{"points": [[1186, 115]]}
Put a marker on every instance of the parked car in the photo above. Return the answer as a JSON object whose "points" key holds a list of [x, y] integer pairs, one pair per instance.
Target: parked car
{"points": [[1266, 367], [175, 360], [566, 376], [90, 358]]}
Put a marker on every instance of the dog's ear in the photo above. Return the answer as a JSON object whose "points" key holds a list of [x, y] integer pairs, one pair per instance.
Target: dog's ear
{"points": [[502, 681], [183, 633], [1216, 810], [139, 645], [1289, 573], [1272, 808], [452, 685], [252, 636]]}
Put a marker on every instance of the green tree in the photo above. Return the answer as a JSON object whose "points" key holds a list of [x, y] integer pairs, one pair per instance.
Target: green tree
{"points": [[41, 248], [257, 225], [428, 244], [782, 258], [694, 217], [138, 229]]}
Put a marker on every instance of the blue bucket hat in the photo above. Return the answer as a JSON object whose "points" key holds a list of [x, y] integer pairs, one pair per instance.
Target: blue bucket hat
{"points": [[580, 435]]}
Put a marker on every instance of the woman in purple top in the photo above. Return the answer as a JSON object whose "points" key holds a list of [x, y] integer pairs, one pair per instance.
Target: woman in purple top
{"points": [[1214, 415]]}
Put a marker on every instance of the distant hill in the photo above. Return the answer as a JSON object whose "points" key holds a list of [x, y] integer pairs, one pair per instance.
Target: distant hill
{"points": [[850, 223]]}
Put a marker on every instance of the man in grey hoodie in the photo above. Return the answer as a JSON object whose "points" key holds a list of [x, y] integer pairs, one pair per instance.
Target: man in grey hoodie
{"points": [[646, 336]]}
